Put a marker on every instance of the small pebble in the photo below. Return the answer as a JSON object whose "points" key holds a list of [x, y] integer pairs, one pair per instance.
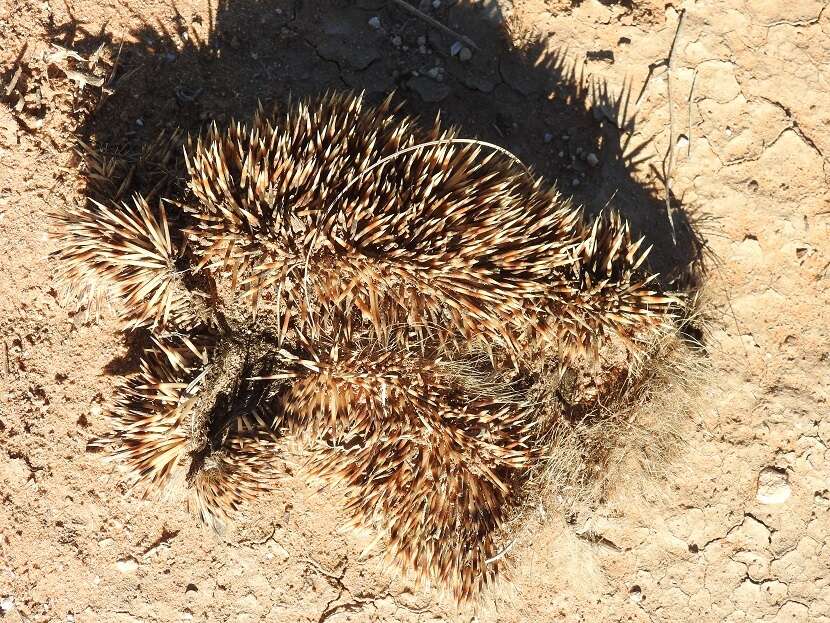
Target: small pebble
{"points": [[682, 142], [561, 154], [455, 48], [126, 565], [139, 122], [465, 54], [575, 182], [375, 22], [773, 486], [7, 604], [565, 137], [592, 159], [635, 594], [396, 41], [422, 40], [548, 137], [436, 4]]}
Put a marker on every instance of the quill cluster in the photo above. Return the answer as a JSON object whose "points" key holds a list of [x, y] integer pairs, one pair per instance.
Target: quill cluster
{"points": [[385, 293]]}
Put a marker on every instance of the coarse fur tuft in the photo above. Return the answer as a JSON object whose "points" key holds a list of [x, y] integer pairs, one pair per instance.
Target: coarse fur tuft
{"points": [[417, 309]]}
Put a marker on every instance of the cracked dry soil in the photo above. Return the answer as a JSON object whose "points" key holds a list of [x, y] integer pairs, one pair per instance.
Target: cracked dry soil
{"points": [[741, 532]]}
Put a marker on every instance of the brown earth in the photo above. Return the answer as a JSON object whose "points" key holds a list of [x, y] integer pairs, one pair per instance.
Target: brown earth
{"points": [[740, 533]]}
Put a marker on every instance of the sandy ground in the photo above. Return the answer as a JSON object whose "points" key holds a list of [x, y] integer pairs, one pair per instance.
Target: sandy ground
{"points": [[740, 533]]}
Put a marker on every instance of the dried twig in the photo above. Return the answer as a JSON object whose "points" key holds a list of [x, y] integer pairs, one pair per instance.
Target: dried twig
{"points": [[668, 163], [502, 553], [434, 22], [13, 83], [689, 106]]}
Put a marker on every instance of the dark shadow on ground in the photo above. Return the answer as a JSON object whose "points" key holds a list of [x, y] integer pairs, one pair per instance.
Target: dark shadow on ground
{"points": [[536, 103]]}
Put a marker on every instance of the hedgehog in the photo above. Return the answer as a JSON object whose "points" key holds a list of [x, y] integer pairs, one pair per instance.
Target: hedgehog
{"points": [[388, 294]]}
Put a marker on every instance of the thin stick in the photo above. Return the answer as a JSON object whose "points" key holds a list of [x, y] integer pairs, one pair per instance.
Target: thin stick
{"points": [[689, 106], [434, 22], [501, 554], [667, 167]]}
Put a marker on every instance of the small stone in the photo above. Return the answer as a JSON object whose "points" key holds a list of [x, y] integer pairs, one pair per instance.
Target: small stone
{"points": [[70, 618], [635, 594], [548, 137], [396, 41], [455, 48], [422, 40], [375, 22], [105, 542], [561, 154], [7, 604], [682, 142], [575, 182], [565, 137], [430, 91], [464, 55], [434, 73], [773, 486], [126, 565], [592, 159], [139, 122], [436, 4]]}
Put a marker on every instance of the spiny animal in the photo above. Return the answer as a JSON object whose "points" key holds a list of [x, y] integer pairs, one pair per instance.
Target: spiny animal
{"points": [[386, 293]]}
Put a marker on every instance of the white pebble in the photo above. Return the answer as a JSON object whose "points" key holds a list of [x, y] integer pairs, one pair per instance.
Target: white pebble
{"points": [[575, 182], [592, 159], [436, 4], [455, 48], [465, 54], [773, 486], [375, 22], [7, 604], [126, 565]]}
